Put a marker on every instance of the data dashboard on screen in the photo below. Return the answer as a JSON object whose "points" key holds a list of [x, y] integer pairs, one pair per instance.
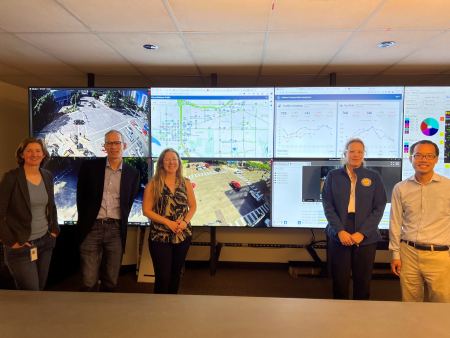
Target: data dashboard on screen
{"points": [[73, 121], [317, 122], [427, 117], [65, 176], [297, 190], [213, 122]]}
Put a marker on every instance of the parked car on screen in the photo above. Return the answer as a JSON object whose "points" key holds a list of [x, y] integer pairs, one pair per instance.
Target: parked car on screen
{"points": [[238, 172], [207, 165], [217, 169], [144, 131], [199, 168], [236, 185]]}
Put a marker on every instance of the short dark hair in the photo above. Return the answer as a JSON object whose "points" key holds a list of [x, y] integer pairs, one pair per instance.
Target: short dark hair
{"points": [[24, 144], [411, 150]]}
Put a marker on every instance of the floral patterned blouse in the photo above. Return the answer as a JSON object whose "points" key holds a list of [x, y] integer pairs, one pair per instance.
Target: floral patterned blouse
{"points": [[173, 207]]}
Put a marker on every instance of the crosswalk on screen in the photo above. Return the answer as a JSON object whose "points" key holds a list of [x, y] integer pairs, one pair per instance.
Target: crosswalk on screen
{"points": [[73, 121], [317, 122], [427, 117], [213, 122], [230, 193]]}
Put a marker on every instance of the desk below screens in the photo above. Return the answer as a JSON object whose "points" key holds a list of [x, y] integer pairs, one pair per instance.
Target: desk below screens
{"points": [[87, 315]]}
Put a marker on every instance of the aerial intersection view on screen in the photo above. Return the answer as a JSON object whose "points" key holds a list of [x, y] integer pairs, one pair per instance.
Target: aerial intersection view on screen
{"points": [[73, 122], [213, 123]]}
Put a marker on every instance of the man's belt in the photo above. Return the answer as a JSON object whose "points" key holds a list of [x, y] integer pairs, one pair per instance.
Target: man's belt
{"points": [[106, 220], [426, 247]]}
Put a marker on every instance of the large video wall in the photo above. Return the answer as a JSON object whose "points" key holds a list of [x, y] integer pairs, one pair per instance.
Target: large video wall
{"points": [[256, 157]]}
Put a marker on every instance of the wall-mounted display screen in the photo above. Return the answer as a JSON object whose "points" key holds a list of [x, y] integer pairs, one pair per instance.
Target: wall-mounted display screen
{"points": [[317, 122], [230, 193], [73, 121], [427, 117], [65, 176], [213, 122], [297, 190]]}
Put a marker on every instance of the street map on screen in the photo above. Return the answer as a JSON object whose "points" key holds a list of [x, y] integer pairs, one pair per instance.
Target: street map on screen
{"points": [[213, 122]]}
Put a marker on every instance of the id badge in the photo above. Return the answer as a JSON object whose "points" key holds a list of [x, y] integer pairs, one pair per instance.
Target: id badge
{"points": [[33, 254]]}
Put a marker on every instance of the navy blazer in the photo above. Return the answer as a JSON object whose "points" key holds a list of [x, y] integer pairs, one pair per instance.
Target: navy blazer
{"points": [[91, 180], [370, 201], [15, 207]]}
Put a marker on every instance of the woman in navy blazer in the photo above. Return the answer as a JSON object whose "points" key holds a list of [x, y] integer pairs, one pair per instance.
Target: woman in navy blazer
{"points": [[28, 220], [353, 199]]}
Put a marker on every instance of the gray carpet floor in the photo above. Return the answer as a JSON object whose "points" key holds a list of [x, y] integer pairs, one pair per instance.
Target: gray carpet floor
{"points": [[245, 282]]}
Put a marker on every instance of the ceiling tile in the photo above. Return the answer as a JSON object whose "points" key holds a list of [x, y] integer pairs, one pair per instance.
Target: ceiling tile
{"points": [[85, 52], [411, 14], [123, 16], [227, 54], [20, 54], [362, 55], [301, 53], [432, 59], [7, 70], [310, 15], [37, 16], [222, 15], [171, 57], [138, 81]]}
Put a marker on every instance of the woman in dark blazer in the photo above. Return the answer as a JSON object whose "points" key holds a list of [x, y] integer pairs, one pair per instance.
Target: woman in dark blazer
{"points": [[353, 199], [28, 220]]}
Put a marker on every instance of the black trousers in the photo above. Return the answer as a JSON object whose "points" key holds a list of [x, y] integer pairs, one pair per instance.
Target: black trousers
{"points": [[168, 260], [358, 261]]}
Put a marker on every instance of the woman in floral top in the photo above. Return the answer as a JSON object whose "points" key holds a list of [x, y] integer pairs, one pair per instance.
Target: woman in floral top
{"points": [[169, 202]]}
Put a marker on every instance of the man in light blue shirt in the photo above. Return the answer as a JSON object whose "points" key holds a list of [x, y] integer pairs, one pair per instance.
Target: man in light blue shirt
{"points": [[419, 232]]}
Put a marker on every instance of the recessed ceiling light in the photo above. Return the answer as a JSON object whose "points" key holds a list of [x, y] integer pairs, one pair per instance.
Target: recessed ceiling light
{"points": [[386, 44], [150, 47]]}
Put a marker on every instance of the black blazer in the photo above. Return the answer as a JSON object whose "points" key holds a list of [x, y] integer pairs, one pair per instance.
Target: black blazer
{"points": [[91, 179], [15, 207]]}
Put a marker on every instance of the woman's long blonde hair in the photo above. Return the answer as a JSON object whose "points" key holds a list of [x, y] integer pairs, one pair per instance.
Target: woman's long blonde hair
{"points": [[160, 174]]}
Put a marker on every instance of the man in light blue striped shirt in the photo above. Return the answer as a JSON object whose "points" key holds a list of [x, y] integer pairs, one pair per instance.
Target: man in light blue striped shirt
{"points": [[419, 232]]}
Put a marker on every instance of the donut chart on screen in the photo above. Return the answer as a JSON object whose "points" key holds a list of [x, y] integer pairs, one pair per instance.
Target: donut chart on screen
{"points": [[429, 126]]}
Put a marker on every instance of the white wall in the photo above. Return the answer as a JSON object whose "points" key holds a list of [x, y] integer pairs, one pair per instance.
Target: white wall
{"points": [[13, 123]]}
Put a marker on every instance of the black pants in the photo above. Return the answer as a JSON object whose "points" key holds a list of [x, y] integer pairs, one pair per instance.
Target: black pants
{"points": [[355, 260], [168, 260]]}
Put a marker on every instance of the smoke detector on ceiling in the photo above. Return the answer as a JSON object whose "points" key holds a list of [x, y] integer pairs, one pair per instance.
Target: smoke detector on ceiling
{"points": [[150, 47], [386, 44]]}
